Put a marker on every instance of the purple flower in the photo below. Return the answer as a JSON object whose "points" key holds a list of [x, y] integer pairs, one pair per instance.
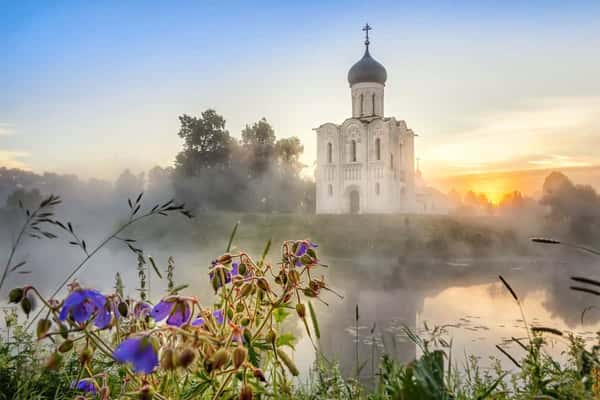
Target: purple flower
{"points": [[86, 385], [301, 249], [199, 321], [177, 311], [81, 304], [217, 279], [235, 269], [219, 317], [139, 352]]}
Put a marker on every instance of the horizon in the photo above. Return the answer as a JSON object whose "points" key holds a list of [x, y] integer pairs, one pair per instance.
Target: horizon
{"points": [[105, 77]]}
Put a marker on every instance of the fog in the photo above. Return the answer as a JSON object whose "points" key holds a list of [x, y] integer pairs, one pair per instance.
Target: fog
{"points": [[403, 270]]}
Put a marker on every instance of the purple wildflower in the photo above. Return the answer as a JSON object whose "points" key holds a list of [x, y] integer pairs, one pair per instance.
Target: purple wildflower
{"points": [[81, 304], [219, 317], [139, 352], [177, 311], [199, 321], [86, 385], [235, 269], [141, 310]]}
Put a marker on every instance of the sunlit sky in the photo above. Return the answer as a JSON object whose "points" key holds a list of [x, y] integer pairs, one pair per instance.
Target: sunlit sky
{"points": [[95, 87]]}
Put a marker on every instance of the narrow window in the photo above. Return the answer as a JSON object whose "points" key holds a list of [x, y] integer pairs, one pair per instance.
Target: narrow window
{"points": [[373, 103], [353, 151], [329, 153], [378, 149], [377, 188], [330, 190], [362, 97], [391, 161]]}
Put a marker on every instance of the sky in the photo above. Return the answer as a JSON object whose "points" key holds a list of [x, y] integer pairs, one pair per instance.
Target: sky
{"points": [[490, 87]]}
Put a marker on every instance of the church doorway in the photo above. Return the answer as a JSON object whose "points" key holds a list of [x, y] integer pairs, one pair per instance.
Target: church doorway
{"points": [[354, 202]]}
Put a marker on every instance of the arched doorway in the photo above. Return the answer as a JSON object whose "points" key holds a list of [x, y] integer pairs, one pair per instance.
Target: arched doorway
{"points": [[354, 202]]}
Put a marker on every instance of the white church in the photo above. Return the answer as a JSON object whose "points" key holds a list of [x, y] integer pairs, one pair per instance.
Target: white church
{"points": [[366, 164]]}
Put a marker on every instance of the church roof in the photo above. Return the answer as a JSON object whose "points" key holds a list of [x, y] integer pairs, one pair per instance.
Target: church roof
{"points": [[367, 69]]}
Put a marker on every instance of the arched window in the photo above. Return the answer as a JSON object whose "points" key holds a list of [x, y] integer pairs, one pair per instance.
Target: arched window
{"points": [[378, 149], [329, 153], [353, 151], [330, 190], [377, 188]]}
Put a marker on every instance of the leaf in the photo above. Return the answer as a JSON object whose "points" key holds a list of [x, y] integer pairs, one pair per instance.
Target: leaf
{"points": [[286, 339], [155, 267], [280, 314], [265, 252], [233, 232], [313, 317], [179, 289], [139, 198], [19, 265]]}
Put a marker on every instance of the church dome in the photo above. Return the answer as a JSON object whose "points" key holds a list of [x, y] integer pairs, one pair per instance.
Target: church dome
{"points": [[367, 69]]}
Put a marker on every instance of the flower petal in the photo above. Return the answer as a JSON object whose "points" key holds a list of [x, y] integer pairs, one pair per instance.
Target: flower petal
{"points": [[180, 315], [161, 310]]}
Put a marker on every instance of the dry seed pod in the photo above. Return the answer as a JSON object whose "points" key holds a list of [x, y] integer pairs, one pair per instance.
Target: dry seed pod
{"points": [[239, 356], [167, 361], [246, 393], [185, 357]]}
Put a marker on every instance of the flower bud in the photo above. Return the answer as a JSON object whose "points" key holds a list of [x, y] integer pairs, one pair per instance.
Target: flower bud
{"points": [[65, 346], [146, 393], [185, 357], [15, 295], [245, 321], [43, 327], [246, 393], [291, 366], [239, 307], [308, 292], [219, 359], [263, 284], [242, 269], [123, 309], [239, 356], [166, 360], [301, 310], [294, 276]]}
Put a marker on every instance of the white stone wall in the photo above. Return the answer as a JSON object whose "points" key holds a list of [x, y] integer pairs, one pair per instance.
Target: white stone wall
{"points": [[367, 99]]}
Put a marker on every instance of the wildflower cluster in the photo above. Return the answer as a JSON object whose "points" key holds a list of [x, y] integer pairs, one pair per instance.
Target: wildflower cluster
{"points": [[178, 347]]}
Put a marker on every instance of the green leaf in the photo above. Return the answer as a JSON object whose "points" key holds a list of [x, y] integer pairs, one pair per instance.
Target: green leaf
{"points": [[155, 267], [265, 252], [179, 289], [315, 322], [286, 339], [280, 314], [232, 236]]}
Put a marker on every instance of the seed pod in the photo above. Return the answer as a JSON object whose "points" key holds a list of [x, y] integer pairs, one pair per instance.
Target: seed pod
{"points": [[301, 310], [245, 321], [239, 356], [26, 305], [258, 374], [86, 355], [65, 346], [230, 313], [242, 269], [294, 276], [219, 359], [291, 366], [146, 393], [246, 393], [54, 361], [308, 292], [43, 327], [64, 331], [123, 309], [186, 357], [263, 284], [15, 295], [167, 361], [245, 289], [239, 307]]}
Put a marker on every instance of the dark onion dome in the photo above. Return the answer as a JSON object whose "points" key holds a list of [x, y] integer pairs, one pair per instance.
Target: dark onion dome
{"points": [[367, 69]]}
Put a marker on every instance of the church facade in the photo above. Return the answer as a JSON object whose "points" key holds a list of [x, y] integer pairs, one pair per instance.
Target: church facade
{"points": [[366, 163]]}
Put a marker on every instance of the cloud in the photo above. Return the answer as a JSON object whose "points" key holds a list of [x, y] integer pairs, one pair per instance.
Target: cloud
{"points": [[542, 133], [14, 159]]}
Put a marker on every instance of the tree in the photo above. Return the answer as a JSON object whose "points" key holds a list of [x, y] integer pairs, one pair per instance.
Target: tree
{"points": [[288, 151], [259, 141], [129, 185], [206, 143]]}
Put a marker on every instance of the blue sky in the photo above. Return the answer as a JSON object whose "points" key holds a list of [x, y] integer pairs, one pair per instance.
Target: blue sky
{"points": [[95, 87]]}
